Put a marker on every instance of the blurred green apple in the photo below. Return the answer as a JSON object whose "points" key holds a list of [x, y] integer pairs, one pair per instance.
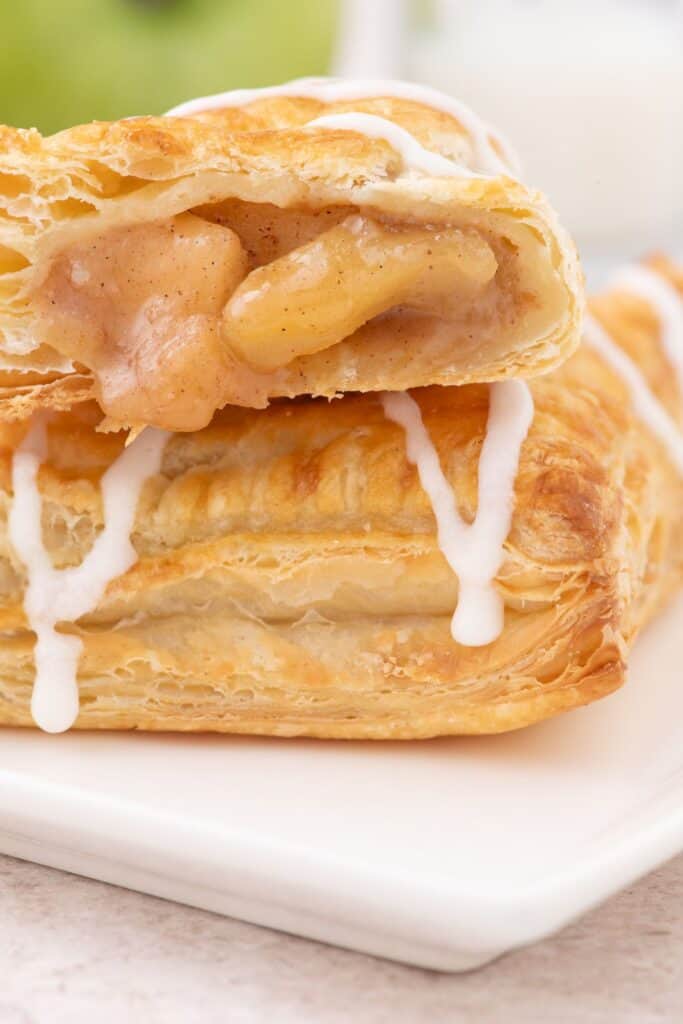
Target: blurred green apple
{"points": [[70, 61]]}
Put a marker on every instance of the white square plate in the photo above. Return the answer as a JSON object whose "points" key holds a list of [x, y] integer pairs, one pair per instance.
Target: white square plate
{"points": [[443, 853]]}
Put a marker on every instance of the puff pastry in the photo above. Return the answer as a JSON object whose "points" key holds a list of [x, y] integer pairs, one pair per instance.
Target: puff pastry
{"points": [[167, 266], [290, 581]]}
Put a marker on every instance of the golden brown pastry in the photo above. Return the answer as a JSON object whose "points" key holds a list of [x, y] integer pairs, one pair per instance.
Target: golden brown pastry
{"points": [[168, 266], [290, 581]]}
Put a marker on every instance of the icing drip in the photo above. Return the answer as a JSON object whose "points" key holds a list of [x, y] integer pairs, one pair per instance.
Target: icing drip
{"points": [[414, 155], [473, 551], [667, 304], [329, 90], [646, 406], [64, 595]]}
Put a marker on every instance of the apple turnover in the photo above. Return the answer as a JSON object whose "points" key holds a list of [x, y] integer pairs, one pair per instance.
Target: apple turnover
{"points": [[312, 239], [298, 567]]}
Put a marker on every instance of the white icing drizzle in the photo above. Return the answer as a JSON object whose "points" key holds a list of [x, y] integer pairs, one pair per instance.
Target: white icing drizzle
{"points": [[414, 155], [329, 90], [473, 551], [64, 595], [647, 407], [667, 304]]}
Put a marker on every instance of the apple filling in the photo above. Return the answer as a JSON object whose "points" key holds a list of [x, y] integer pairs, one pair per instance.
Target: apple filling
{"points": [[176, 319]]}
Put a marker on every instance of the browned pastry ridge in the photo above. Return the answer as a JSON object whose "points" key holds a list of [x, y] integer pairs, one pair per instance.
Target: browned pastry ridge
{"points": [[290, 582], [168, 266]]}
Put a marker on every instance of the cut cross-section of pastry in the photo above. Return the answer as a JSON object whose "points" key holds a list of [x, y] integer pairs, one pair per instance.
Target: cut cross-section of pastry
{"points": [[299, 566], [314, 239]]}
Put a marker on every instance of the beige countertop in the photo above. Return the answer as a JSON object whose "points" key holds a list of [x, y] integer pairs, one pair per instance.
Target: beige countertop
{"points": [[74, 951]]}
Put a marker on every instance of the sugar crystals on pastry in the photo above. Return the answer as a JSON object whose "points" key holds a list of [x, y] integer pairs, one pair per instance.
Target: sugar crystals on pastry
{"points": [[312, 239]]}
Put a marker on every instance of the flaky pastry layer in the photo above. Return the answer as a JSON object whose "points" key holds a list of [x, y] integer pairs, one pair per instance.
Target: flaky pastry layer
{"points": [[290, 582], [84, 212]]}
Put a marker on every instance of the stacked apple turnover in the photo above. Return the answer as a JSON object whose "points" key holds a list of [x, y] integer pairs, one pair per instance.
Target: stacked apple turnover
{"points": [[295, 436]]}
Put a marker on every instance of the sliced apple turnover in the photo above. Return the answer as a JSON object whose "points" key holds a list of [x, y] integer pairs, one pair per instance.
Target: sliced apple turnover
{"points": [[314, 239]]}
